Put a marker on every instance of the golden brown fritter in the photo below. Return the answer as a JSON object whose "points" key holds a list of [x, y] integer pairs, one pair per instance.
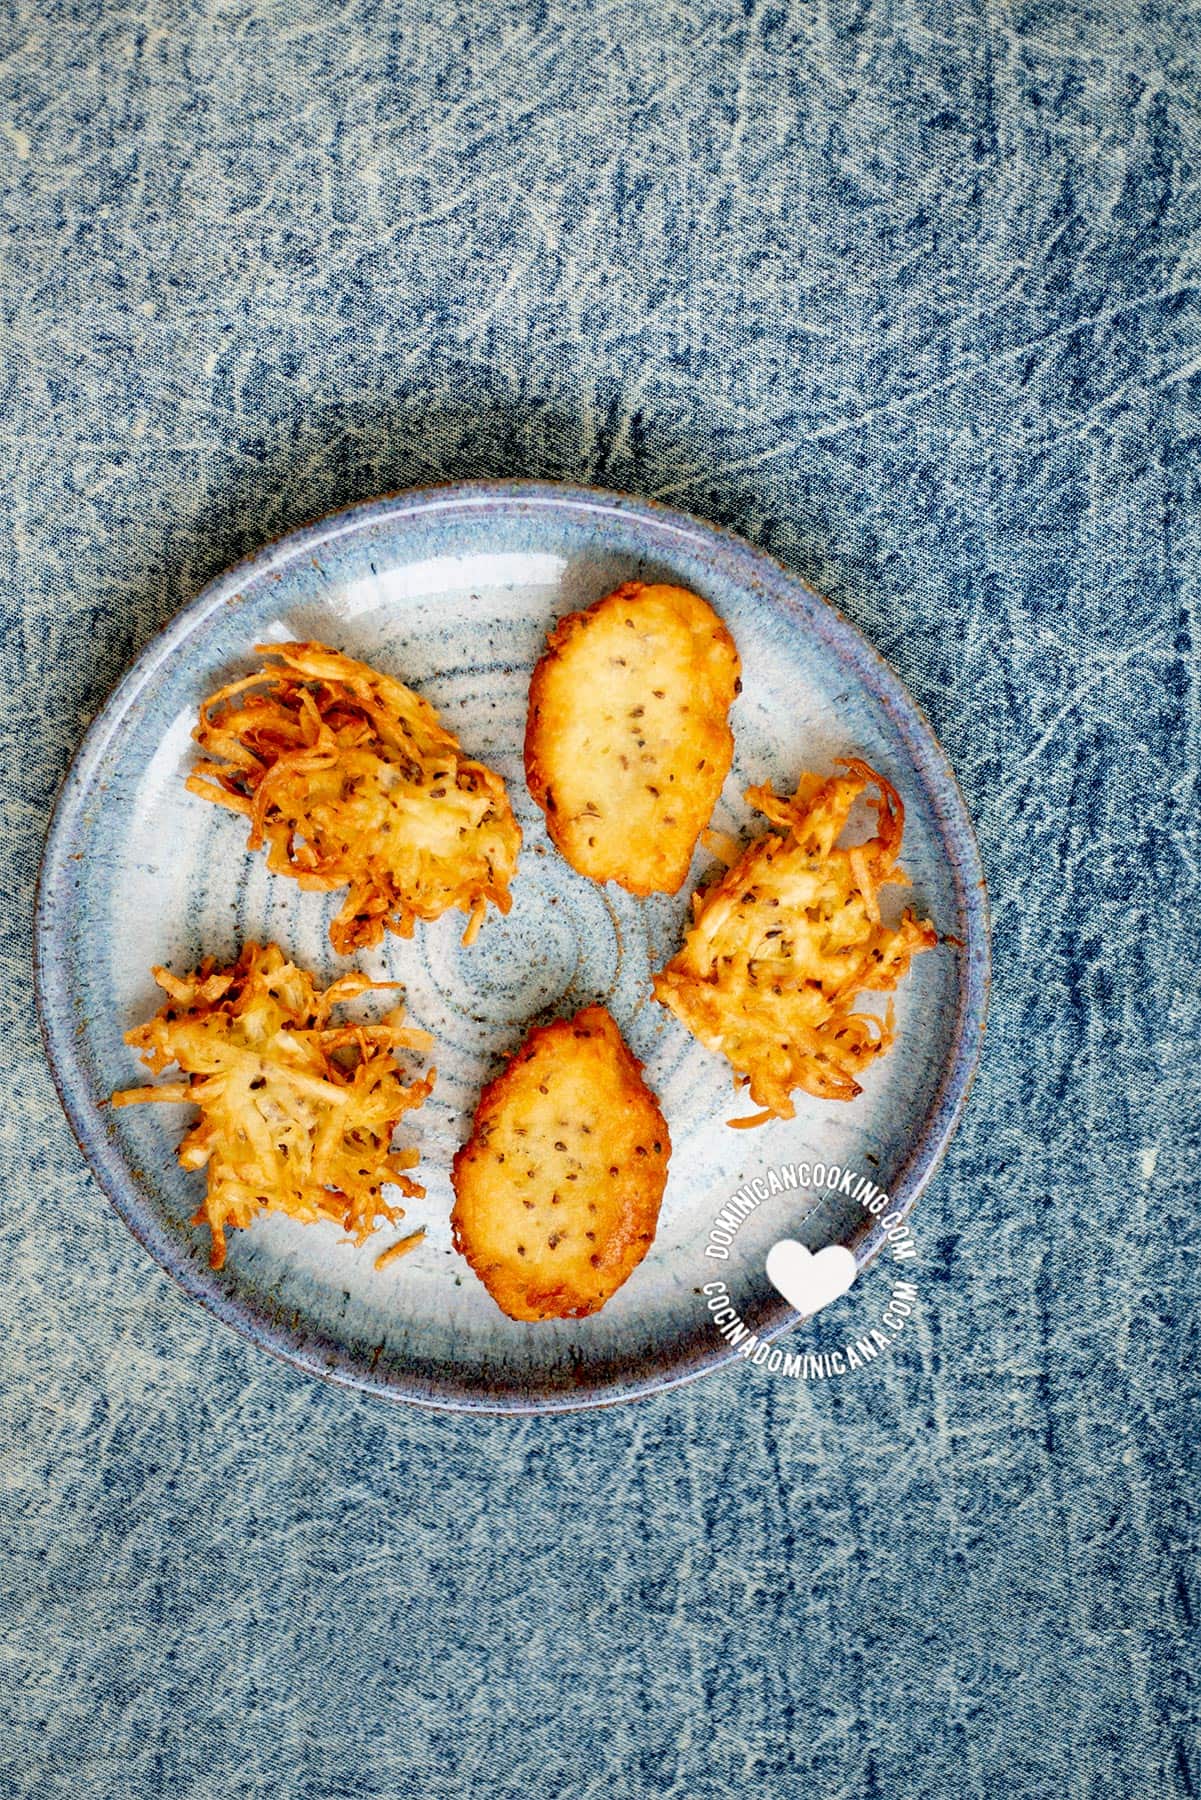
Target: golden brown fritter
{"points": [[349, 779], [296, 1114], [627, 739], [782, 947], [558, 1187]]}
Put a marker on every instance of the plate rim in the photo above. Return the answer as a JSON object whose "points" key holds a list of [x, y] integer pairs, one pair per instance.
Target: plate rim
{"points": [[755, 568]]}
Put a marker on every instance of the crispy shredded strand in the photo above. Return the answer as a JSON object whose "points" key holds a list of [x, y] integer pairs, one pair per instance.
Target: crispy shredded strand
{"points": [[783, 947], [721, 845], [400, 1248], [350, 781], [297, 1114]]}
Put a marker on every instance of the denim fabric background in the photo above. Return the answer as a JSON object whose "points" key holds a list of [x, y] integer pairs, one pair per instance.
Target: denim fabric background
{"points": [[907, 293]]}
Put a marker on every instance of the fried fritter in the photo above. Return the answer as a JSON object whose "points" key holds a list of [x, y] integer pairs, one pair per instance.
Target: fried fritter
{"points": [[627, 740], [296, 1114], [558, 1187], [349, 779], [782, 947]]}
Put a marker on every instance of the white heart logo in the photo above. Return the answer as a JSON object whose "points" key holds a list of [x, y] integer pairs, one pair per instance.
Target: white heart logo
{"points": [[809, 1282]]}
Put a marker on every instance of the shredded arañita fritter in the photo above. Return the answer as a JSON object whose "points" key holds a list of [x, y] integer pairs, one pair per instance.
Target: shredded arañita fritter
{"points": [[297, 1114], [349, 779], [782, 948]]}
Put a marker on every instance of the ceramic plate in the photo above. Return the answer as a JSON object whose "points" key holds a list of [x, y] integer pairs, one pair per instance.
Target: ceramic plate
{"points": [[454, 590]]}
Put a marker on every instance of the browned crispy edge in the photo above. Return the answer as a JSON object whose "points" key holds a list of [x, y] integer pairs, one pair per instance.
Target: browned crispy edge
{"points": [[537, 779]]}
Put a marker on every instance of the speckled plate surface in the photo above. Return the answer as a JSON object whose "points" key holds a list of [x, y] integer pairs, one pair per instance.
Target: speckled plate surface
{"points": [[453, 590]]}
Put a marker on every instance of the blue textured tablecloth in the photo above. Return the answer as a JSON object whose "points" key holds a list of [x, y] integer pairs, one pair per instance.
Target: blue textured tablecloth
{"points": [[909, 294]]}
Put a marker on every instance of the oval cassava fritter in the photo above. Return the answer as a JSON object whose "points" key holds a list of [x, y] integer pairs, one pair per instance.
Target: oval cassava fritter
{"points": [[557, 1190], [627, 738]]}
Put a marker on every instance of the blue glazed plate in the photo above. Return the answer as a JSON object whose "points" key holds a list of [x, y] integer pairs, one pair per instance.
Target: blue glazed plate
{"points": [[454, 590]]}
